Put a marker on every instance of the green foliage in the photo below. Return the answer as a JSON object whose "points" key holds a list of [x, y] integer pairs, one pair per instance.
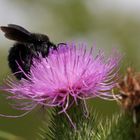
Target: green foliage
{"points": [[120, 127]]}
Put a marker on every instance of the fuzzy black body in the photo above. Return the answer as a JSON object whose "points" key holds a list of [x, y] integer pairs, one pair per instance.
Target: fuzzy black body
{"points": [[27, 46]]}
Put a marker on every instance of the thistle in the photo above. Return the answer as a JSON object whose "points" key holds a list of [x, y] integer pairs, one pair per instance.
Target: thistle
{"points": [[129, 88], [70, 74]]}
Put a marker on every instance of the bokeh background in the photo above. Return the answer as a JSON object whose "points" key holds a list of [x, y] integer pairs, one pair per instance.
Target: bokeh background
{"points": [[107, 23]]}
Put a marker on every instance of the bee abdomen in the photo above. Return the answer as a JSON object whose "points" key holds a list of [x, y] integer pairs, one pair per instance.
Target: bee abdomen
{"points": [[19, 55]]}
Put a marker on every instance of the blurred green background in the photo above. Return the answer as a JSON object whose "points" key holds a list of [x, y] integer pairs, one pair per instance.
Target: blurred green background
{"points": [[108, 24]]}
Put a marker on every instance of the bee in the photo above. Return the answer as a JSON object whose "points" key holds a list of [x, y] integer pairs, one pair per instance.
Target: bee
{"points": [[27, 46]]}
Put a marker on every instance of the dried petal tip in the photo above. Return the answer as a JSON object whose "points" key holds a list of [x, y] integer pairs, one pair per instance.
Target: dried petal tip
{"points": [[130, 90], [69, 74]]}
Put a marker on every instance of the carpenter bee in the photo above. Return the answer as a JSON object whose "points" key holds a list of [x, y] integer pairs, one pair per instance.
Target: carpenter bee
{"points": [[27, 46]]}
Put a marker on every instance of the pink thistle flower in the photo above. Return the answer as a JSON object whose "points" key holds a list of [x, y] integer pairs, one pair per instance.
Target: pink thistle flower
{"points": [[68, 74]]}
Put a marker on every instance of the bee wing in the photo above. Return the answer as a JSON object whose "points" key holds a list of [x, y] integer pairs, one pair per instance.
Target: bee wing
{"points": [[16, 32]]}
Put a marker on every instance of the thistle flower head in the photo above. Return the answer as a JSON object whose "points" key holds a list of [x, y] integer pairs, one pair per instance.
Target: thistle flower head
{"points": [[68, 74], [129, 88]]}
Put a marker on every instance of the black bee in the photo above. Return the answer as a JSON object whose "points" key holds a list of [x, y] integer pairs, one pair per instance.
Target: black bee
{"points": [[27, 46]]}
